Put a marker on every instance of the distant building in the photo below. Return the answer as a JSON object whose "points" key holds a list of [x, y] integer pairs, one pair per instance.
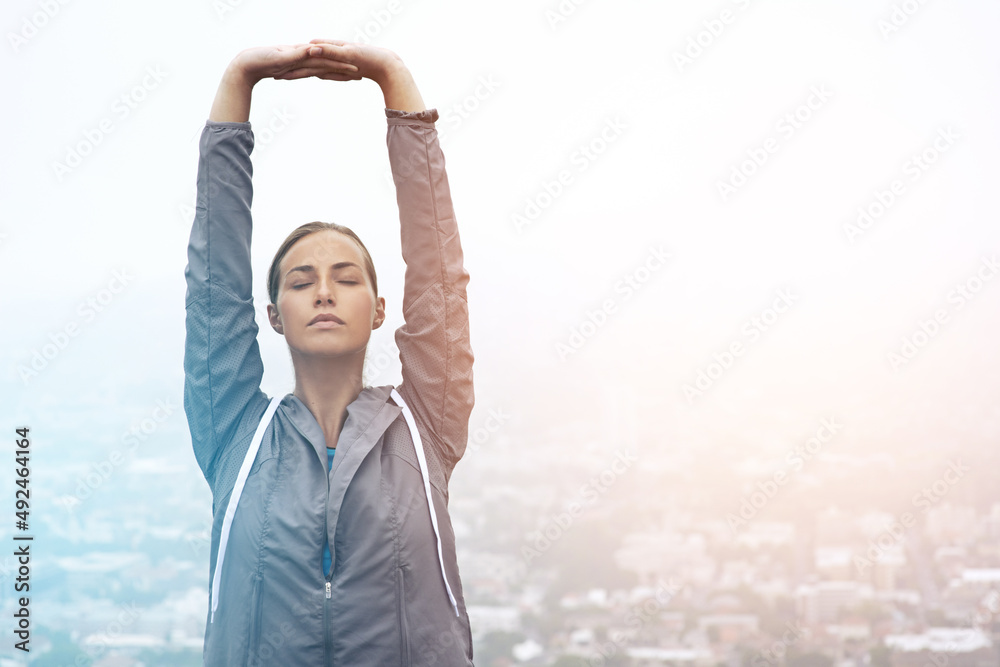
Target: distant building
{"points": [[886, 569], [659, 554], [950, 560], [527, 650], [771, 533], [823, 602], [954, 647], [729, 628], [948, 523], [834, 563], [900, 597], [991, 523], [642, 656], [735, 573], [485, 620], [973, 588], [983, 577], [850, 630], [673, 622], [773, 589]]}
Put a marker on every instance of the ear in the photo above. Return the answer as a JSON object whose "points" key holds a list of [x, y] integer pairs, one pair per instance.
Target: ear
{"points": [[274, 318], [379, 313]]}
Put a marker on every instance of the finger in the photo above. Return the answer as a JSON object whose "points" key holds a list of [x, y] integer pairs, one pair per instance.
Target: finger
{"points": [[292, 55], [330, 63], [294, 50], [326, 76], [335, 42], [299, 73], [340, 77], [340, 52], [319, 72]]}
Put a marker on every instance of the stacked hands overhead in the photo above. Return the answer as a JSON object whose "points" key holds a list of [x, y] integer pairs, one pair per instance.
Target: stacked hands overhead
{"points": [[331, 59]]}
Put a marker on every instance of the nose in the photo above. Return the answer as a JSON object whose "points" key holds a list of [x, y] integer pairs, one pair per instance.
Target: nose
{"points": [[323, 292]]}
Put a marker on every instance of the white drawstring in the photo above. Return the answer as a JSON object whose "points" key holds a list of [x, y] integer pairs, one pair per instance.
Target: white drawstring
{"points": [[234, 498], [258, 435], [422, 460]]}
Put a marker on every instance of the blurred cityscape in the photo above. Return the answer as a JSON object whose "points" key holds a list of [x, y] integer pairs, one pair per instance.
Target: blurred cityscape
{"points": [[629, 552]]}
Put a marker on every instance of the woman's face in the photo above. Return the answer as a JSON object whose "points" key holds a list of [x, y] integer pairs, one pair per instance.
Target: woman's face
{"points": [[323, 275]]}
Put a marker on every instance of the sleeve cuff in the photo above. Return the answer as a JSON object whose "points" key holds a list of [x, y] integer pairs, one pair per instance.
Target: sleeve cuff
{"points": [[425, 118], [227, 123]]}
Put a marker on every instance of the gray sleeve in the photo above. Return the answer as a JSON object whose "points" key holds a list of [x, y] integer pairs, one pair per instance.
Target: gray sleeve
{"points": [[222, 364]]}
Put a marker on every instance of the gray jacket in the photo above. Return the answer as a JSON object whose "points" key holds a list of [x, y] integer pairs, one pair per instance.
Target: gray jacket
{"points": [[385, 601]]}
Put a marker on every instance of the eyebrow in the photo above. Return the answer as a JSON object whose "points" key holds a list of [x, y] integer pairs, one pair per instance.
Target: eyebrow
{"points": [[309, 268]]}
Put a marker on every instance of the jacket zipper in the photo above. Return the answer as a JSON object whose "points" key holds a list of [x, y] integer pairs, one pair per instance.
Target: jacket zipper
{"points": [[326, 625], [328, 592]]}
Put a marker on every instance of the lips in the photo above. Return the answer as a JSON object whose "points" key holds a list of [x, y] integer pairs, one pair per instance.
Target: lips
{"points": [[326, 317]]}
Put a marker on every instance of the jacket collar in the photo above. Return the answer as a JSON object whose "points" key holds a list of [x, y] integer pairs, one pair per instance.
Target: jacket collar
{"points": [[361, 428]]}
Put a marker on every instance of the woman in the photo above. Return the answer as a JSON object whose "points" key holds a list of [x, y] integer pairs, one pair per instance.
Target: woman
{"points": [[331, 540]]}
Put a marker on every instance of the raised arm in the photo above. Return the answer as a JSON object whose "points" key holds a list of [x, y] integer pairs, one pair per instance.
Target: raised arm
{"points": [[434, 345], [222, 365]]}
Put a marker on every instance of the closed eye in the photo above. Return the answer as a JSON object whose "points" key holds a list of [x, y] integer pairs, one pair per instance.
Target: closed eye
{"points": [[300, 285]]}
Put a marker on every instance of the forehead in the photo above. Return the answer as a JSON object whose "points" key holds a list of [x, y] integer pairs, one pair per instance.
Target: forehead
{"points": [[321, 249]]}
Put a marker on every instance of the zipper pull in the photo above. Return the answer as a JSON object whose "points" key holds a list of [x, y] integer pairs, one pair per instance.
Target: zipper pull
{"points": [[328, 590]]}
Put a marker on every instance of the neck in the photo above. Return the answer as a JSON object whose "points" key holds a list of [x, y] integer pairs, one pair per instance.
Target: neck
{"points": [[327, 385]]}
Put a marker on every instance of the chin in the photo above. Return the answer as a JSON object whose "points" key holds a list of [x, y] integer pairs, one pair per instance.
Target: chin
{"points": [[319, 351]]}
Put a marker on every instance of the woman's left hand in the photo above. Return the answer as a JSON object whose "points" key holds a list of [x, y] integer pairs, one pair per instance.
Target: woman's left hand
{"points": [[373, 62]]}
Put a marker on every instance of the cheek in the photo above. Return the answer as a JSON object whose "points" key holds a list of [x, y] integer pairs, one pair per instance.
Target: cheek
{"points": [[289, 305], [362, 306], [361, 303]]}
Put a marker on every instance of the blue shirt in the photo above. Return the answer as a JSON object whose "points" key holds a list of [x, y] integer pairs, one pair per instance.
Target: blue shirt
{"points": [[330, 451]]}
